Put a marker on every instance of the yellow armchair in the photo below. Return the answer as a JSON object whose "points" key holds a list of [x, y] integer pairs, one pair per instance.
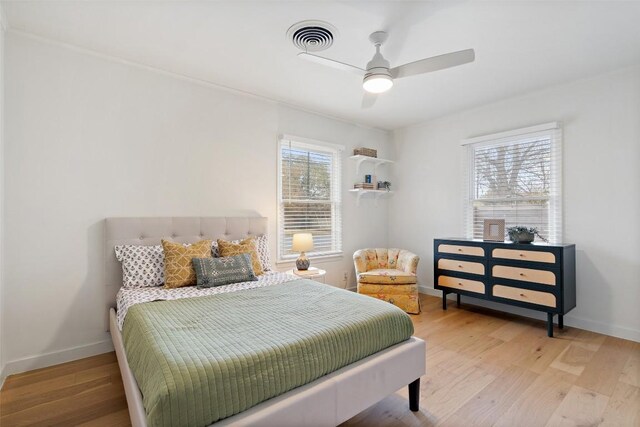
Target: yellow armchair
{"points": [[389, 275]]}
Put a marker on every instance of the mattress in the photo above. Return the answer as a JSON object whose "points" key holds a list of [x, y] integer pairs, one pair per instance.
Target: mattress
{"points": [[199, 360]]}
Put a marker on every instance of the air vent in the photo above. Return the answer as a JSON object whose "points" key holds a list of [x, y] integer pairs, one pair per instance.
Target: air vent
{"points": [[312, 36]]}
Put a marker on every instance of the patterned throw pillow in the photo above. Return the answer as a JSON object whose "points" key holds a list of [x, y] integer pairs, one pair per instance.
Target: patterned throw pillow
{"points": [[178, 267], [142, 266], [262, 245], [223, 271], [246, 246]]}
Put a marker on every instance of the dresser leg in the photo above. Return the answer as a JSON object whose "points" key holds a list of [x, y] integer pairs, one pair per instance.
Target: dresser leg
{"points": [[550, 325], [560, 321], [414, 395], [444, 300], [458, 297]]}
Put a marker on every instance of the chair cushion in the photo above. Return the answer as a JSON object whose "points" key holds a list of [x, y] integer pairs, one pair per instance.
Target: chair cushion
{"points": [[387, 276]]}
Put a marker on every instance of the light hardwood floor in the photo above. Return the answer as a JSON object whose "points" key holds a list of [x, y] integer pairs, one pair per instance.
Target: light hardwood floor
{"points": [[484, 368]]}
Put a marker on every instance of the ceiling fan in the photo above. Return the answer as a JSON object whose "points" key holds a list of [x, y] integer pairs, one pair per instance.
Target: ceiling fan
{"points": [[379, 76]]}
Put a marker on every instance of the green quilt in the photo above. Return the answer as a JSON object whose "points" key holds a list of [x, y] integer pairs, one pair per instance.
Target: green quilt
{"points": [[199, 360]]}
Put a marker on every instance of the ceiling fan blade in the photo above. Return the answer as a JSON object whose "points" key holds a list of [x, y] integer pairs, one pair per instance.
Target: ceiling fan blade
{"points": [[434, 63], [368, 99], [331, 63]]}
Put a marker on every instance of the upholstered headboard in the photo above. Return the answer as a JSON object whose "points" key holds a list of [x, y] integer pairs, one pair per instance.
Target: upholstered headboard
{"points": [[149, 231]]}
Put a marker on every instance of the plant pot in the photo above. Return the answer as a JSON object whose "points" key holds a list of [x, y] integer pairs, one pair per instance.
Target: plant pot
{"points": [[522, 237]]}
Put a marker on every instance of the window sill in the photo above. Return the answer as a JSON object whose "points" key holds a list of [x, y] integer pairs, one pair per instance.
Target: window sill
{"points": [[319, 259]]}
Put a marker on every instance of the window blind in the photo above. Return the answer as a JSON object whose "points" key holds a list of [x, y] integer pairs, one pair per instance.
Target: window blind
{"points": [[309, 182], [515, 176]]}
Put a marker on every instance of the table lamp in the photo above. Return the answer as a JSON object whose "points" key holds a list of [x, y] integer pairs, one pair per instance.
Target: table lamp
{"points": [[302, 242]]}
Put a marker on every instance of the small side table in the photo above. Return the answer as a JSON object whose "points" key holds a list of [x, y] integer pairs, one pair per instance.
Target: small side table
{"points": [[312, 273]]}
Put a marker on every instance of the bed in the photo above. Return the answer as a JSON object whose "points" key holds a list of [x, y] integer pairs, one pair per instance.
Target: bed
{"points": [[368, 368]]}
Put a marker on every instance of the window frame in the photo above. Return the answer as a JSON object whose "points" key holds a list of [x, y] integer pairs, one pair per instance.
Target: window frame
{"points": [[552, 131], [336, 151]]}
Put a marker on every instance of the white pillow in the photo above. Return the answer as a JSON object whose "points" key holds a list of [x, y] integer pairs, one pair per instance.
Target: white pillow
{"points": [[262, 244], [142, 266]]}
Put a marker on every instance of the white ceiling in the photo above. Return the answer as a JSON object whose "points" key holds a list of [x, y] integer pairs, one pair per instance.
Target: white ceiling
{"points": [[520, 46]]}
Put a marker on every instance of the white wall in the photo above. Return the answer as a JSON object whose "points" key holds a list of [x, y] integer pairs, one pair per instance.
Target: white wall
{"points": [[601, 119], [2, 349], [89, 138]]}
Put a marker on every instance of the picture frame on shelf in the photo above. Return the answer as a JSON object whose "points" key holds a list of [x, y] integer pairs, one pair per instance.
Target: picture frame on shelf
{"points": [[493, 230]]}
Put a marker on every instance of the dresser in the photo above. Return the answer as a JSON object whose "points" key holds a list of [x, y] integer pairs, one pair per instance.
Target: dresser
{"points": [[540, 277]]}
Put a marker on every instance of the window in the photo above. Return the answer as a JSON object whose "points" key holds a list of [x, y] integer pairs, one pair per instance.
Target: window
{"points": [[309, 198], [515, 176]]}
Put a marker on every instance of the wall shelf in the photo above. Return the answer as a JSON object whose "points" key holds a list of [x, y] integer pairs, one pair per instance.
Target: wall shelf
{"points": [[359, 192], [360, 159]]}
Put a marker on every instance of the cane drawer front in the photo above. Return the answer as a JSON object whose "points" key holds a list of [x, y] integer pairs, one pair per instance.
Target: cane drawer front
{"points": [[461, 266], [461, 250], [461, 284], [525, 295], [524, 255], [531, 275]]}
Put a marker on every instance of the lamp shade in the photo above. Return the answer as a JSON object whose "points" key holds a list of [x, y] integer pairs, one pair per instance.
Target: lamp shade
{"points": [[302, 242]]}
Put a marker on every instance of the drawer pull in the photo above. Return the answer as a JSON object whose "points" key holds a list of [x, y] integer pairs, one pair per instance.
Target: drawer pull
{"points": [[523, 295], [522, 274], [459, 265], [460, 284], [521, 254], [459, 249]]}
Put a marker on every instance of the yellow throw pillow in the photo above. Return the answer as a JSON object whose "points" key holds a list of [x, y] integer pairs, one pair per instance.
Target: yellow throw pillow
{"points": [[246, 246], [178, 267]]}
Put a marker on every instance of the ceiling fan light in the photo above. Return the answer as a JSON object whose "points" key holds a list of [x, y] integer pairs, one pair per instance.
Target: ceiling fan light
{"points": [[377, 83]]}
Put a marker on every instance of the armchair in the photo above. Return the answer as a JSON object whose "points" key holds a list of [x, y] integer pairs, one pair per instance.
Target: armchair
{"points": [[389, 275]]}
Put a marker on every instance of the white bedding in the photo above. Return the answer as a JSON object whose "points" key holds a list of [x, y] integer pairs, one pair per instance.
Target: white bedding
{"points": [[128, 297]]}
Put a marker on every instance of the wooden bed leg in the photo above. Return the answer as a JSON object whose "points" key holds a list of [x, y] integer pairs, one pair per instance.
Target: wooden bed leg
{"points": [[414, 395]]}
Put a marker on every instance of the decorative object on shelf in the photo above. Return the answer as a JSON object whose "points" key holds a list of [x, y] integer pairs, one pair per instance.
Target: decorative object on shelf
{"points": [[364, 186], [362, 151], [367, 179], [493, 230], [520, 234], [384, 185], [302, 242]]}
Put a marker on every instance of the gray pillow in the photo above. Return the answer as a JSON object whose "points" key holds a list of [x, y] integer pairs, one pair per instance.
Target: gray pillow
{"points": [[223, 271]]}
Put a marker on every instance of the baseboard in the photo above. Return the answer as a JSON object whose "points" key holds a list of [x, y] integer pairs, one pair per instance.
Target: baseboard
{"points": [[54, 358], [569, 320]]}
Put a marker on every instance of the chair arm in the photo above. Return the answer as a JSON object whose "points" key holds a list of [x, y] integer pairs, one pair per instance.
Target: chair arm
{"points": [[408, 262], [360, 261]]}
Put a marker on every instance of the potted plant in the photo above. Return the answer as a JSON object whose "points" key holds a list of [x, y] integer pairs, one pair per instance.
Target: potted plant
{"points": [[520, 234]]}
